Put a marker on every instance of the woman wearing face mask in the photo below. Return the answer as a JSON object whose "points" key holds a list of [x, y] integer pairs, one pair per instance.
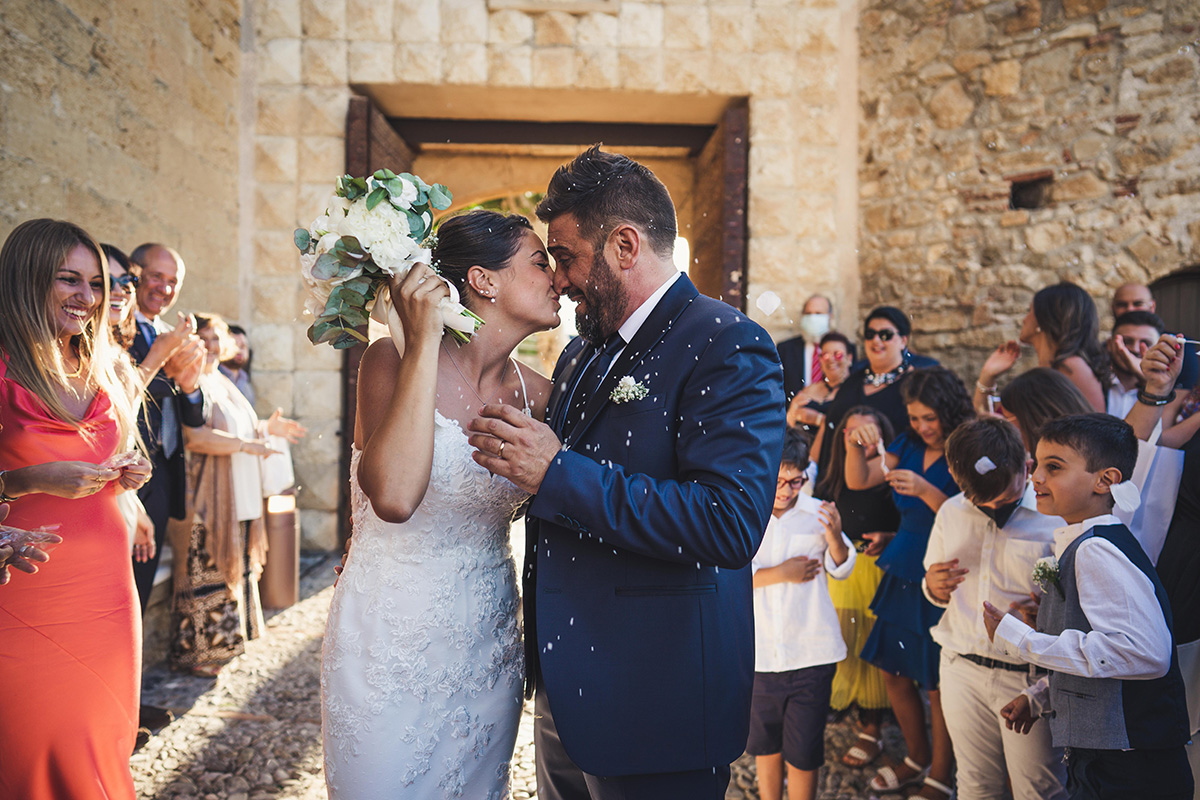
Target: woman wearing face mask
{"points": [[878, 385], [216, 606]]}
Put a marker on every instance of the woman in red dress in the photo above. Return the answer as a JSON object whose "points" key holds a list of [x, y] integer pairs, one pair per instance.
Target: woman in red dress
{"points": [[70, 635]]}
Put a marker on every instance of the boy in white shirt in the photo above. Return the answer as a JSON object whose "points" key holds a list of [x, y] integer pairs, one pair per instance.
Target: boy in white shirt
{"points": [[797, 637], [983, 547]]}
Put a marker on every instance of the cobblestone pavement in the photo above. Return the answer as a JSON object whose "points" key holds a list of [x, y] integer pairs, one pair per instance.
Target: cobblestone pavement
{"points": [[254, 733]]}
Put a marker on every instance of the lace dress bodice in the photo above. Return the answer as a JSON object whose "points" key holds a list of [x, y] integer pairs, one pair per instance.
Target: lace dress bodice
{"points": [[423, 662]]}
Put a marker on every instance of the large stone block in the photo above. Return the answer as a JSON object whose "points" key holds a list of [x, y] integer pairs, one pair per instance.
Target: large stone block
{"points": [[277, 19], [1081, 186], [317, 394], [372, 62], [509, 66], [322, 157], [274, 254], [1051, 71], [275, 206], [319, 530], [774, 30], [324, 62], [1080, 8], [687, 70], [771, 74], [555, 29], [323, 111], [323, 19], [1153, 256], [1003, 78], [465, 63], [422, 63], [278, 111], [597, 29], [510, 27], [686, 27], [318, 486], [926, 45], [274, 159], [596, 68], [641, 25], [417, 21], [731, 29], [641, 69], [951, 106], [273, 349], [273, 388], [554, 67], [1046, 237], [968, 31], [315, 357], [464, 21], [730, 73], [370, 20], [277, 300], [279, 62]]}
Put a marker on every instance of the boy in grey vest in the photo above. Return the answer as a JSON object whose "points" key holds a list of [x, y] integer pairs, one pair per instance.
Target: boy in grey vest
{"points": [[1114, 697]]}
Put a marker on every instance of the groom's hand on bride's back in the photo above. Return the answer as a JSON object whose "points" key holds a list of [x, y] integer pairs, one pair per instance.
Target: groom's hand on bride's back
{"points": [[513, 445]]}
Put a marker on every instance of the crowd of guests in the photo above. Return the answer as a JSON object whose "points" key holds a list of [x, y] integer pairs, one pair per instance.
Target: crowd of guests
{"points": [[149, 433], [1021, 553]]}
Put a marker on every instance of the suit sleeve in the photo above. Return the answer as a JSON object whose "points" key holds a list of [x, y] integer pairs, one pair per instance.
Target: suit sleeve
{"points": [[727, 441]]}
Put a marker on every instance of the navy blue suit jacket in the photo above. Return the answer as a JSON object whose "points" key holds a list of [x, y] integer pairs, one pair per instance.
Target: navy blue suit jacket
{"points": [[638, 585]]}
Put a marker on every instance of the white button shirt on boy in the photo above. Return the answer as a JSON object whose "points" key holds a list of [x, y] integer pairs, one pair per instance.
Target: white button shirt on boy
{"points": [[1000, 563], [795, 624]]}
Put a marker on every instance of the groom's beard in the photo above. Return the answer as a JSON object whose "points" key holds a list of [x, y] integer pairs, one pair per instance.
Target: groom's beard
{"points": [[605, 299]]}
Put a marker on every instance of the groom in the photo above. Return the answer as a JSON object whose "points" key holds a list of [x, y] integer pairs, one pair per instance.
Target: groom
{"points": [[654, 483]]}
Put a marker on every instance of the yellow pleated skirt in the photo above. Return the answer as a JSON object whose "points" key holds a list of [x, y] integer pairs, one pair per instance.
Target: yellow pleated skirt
{"points": [[856, 681]]}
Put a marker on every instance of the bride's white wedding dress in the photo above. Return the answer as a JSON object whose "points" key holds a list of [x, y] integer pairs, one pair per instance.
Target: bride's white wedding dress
{"points": [[421, 677]]}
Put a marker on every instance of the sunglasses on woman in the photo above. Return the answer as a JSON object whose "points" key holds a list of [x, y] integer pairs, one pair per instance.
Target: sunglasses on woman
{"points": [[885, 335], [126, 281]]}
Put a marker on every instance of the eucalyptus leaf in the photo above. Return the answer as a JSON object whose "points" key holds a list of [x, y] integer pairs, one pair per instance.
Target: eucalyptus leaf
{"points": [[384, 174], [416, 225], [361, 285], [302, 238], [422, 185], [440, 197], [376, 197], [318, 329], [327, 267], [349, 338]]}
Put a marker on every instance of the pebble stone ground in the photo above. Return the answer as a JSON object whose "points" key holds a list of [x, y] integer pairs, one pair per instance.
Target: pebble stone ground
{"points": [[254, 733]]}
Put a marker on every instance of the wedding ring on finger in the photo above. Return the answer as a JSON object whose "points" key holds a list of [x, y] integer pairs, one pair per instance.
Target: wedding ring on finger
{"points": [[500, 452]]}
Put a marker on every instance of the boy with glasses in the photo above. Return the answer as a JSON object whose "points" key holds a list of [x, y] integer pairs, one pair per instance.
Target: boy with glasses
{"points": [[797, 636]]}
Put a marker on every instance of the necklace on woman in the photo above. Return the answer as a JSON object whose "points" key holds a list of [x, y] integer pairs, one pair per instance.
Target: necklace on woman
{"points": [[886, 378], [471, 386]]}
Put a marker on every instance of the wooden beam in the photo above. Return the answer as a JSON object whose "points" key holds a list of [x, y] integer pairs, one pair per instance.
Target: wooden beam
{"points": [[612, 134]]}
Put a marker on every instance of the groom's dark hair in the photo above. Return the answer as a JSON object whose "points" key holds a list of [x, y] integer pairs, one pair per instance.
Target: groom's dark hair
{"points": [[604, 190]]}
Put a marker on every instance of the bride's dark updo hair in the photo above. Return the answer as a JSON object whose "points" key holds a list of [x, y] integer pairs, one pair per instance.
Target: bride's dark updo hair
{"points": [[479, 238]]}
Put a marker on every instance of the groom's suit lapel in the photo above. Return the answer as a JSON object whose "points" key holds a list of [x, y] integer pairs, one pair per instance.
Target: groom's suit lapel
{"points": [[652, 331], [564, 381]]}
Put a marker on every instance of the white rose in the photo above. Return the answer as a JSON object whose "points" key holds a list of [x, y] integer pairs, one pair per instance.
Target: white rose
{"points": [[396, 254], [307, 261], [337, 206], [408, 196], [369, 227], [326, 242]]}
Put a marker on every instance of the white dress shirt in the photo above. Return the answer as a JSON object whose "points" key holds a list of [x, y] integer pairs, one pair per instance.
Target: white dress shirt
{"points": [[1129, 639], [1000, 564], [631, 326], [795, 624]]}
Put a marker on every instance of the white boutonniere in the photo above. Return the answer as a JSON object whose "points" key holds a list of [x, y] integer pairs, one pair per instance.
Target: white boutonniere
{"points": [[628, 389], [1045, 573]]}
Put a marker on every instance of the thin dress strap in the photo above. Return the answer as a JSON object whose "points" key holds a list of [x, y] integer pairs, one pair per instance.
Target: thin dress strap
{"points": [[524, 393]]}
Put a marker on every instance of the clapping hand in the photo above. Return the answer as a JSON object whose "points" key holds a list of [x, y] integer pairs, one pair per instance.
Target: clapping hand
{"points": [[999, 362], [992, 617], [186, 365], [169, 342], [1161, 364], [943, 578], [1124, 359], [831, 520], [290, 429], [19, 549]]}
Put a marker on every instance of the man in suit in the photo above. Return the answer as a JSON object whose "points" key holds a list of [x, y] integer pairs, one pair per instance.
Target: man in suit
{"points": [[801, 354], [173, 397], [654, 482]]}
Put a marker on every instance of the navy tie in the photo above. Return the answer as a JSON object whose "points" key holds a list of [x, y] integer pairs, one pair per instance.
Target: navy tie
{"points": [[590, 379]]}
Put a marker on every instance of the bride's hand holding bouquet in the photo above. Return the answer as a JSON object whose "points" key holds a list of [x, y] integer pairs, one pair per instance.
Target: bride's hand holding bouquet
{"points": [[418, 298]]}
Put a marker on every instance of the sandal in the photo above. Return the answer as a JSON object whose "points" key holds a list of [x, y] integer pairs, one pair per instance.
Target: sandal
{"points": [[886, 780], [945, 792], [206, 670], [859, 754]]}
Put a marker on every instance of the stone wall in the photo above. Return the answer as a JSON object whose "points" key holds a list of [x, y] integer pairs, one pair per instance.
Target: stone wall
{"points": [[782, 56], [958, 100], [122, 117]]}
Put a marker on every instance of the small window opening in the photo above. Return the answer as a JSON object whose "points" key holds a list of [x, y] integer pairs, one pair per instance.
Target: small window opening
{"points": [[1030, 191]]}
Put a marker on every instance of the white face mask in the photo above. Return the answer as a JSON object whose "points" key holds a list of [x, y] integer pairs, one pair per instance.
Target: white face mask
{"points": [[814, 326]]}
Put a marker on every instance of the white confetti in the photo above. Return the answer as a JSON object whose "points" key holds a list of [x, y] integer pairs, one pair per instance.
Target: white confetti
{"points": [[768, 302]]}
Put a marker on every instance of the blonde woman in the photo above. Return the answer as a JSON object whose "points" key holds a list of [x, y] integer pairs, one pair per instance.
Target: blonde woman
{"points": [[70, 637]]}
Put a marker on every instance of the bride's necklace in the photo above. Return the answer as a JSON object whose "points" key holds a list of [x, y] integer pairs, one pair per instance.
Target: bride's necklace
{"points": [[471, 386], [886, 378]]}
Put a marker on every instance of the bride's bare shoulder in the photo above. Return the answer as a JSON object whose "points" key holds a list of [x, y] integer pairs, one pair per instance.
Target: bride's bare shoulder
{"points": [[380, 356]]}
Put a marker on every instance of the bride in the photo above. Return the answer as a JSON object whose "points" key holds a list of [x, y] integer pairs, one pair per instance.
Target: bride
{"points": [[422, 667]]}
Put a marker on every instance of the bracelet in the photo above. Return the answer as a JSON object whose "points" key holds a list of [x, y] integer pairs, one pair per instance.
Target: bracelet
{"points": [[985, 389], [1145, 398], [5, 497]]}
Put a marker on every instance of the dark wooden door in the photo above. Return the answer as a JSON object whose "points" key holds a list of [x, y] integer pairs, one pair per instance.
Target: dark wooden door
{"points": [[719, 210], [371, 144], [1177, 297]]}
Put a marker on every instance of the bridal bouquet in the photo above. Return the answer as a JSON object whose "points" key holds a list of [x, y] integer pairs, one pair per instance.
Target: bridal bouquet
{"points": [[373, 229]]}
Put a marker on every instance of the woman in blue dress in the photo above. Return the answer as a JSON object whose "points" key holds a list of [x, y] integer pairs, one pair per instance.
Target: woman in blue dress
{"points": [[900, 645]]}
